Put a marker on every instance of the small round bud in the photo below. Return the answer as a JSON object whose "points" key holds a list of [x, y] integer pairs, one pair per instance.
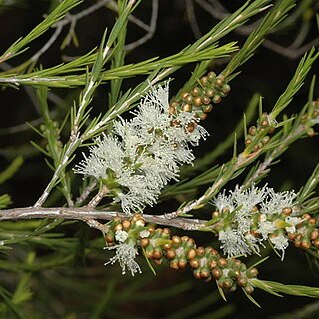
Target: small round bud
{"points": [[207, 108], [200, 251], [157, 254], [191, 254], [145, 242], [219, 82], [184, 95], [194, 263], [205, 273], [251, 273], [314, 234], [222, 262], [206, 100], [217, 99], [212, 264], [210, 92], [173, 265], [204, 81], [170, 253], [226, 88], [126, 224], [187, 107], [217, 273], [196, 91], [287, 211], [176, 240], [249, 289], [198, 101], [182, 263], [252, 130], [228, 283], [211, 75], [118, 227]]}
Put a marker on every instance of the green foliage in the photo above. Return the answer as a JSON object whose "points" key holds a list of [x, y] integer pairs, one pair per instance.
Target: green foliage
{"points": [[52, 263]]}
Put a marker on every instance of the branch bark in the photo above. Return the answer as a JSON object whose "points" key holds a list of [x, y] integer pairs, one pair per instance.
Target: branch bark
{"points": [[86, 214]]}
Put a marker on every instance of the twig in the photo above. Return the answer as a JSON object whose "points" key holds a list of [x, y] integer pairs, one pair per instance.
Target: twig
{"points": [[190, 10], [85, 194], [150, 31], [86, 214]]}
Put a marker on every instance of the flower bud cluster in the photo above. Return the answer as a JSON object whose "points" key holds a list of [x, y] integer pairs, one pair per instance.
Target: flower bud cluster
{"points": [[180, 252], [141, 155], [312, 117], [200, 99], [245, 218], [264, 124]]}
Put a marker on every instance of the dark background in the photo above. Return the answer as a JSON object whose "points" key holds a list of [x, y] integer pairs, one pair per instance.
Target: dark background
{"points": [[267, 73]]}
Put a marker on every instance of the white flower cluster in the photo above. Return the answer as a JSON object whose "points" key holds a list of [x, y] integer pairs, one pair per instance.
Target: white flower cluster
{"points": [[144, 153], [125, 254], [237, 210]]}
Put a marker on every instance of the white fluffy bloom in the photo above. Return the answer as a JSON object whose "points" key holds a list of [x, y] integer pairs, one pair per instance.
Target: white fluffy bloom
{"points": [[223, 201], [143, 154], [232, 243], [121, 236], [275, 202], [293, 221], [125, 255], [265, 228], [280, 242], [247, 198], [237, 209]]}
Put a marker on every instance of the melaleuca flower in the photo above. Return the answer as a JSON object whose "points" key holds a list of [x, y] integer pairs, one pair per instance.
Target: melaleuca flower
{"points": [[280, 242], [239, 220], [232, 243], [125, 254], [275, 202], [143, 154]]}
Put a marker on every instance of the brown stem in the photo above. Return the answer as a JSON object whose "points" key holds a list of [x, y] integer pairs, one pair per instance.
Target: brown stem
{"points": [[87, 214]]}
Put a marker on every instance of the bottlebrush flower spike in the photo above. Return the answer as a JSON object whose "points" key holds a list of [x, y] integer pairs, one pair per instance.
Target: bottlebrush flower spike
{"points": [[141, 155]]}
